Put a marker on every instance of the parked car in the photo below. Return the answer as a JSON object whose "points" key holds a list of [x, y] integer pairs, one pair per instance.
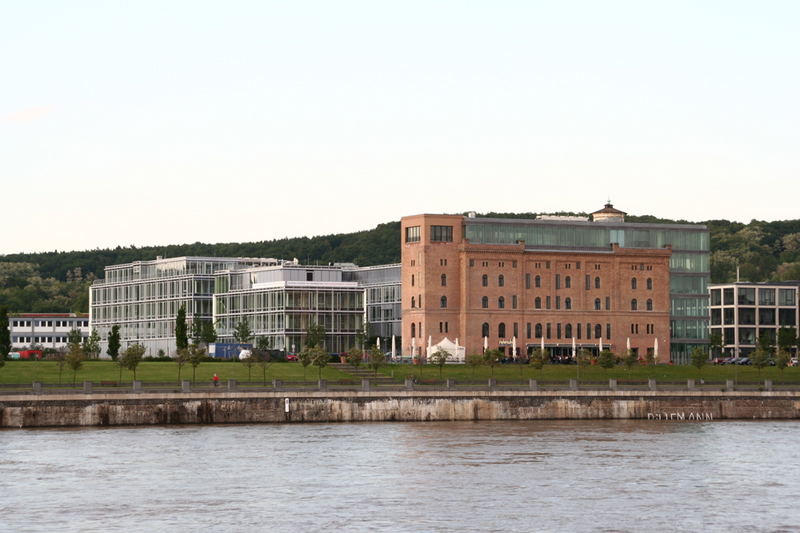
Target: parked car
{"points": [[718, 361], [793, 361], [291, 357], [743, 361]]}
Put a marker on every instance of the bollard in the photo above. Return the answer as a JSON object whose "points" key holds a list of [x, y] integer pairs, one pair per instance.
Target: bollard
{"points": [[186, 385], [690, 384], [651, 384], [492, 383], [137, 386], [729, 384], [365, 385], [612, 384], [87, 387], [533, 385], [231, 384], [768, 384], [450, 383], [573, 384], [276, 384], [322, 384], [37, 387], [409, 383]]}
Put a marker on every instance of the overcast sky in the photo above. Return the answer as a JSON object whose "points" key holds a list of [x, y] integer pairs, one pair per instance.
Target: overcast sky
{"points": [[156, 122]]}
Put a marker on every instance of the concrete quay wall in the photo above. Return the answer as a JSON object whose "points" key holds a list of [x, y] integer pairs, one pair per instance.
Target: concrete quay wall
{"points": [[118, 409]]}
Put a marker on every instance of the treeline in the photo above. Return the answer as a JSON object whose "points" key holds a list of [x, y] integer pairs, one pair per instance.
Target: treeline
{"points": [[58, 281]]}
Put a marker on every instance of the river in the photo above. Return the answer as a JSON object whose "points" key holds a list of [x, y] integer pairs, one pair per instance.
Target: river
{"points": [[398, 477]]}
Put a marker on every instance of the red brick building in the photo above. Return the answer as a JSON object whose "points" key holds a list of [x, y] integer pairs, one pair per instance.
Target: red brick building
{"points": [[455, 287]]}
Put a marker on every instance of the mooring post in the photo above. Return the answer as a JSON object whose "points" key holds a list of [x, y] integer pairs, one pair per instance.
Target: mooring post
{"points": [[690, 384], [612, 384], [409, 383], [276, 384], [768, 384], [729, 384], [450, 383], [533, 385], [492, 383], [573, 384], [322, 384], [231, 384], [87, 387], [186, 385], [37, 387], [365, 385], [651, 384], [137, 385]]}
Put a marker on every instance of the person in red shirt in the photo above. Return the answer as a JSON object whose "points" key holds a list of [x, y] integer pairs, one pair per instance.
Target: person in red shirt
{"points": [[215, 379]]}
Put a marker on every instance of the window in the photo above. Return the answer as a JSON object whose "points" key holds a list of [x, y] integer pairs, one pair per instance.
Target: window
{"points": [[412, 234], [567, 303], [472, 262], [547, 302], [527, 281], [501, 330], [485, 302], [514, 302], [558, 330], [558, 281], [501, 303], [633, 283], [444, 280], [516, 329], [608, 331], [598, 331], [597, 304], [537, 303], [588, 282], [513, 264], [501, 281], [588, 330], [634, 305], [441, 233], [597, 282], [568, 331], [538, 331], [412, 280], [413, 329], [649, 284], [485, 280], [608, 303], [485, 329], [549, 331], [528, 329], [649, 304], [567, 282], [766, 296], [443, 262], [413, 302], [443, 302], [537, 281]]}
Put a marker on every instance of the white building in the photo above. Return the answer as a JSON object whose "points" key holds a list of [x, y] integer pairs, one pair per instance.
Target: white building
{"points": [[45, 330]]}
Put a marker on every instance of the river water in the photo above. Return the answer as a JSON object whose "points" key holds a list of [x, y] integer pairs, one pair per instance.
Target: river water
{"points": [[460, 477]]}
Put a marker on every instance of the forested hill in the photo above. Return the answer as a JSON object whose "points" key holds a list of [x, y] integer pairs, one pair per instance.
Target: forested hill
{"points": [[57, 281]]}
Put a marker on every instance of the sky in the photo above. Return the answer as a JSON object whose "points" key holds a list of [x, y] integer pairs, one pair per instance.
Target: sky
{"points": [[167, 122]]}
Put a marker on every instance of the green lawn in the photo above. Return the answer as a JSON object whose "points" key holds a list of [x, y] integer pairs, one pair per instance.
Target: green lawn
{"points": [[24, 372]]}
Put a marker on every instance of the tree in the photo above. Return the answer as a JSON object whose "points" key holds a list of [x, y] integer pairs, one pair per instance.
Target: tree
{"points": [[699, 358], [787, 339], [305, 357], [92, 344], [60, 356], [475, 360], [181, 358], [181, 333], [537, 359], [319, 358], [5, 334], [715, 344], [242, 333], [492, 358], [584, 358], [197, 331], [782, 360], [759, 358], [606, 359], [315, 335], [113, 342], [765, 343], [248, 362], [209, 334], [355, 357], [74, 359], [132, 356], [196, 356], [376, 359], [74, 336], [630, 359], [262, 356], [439, 358]]}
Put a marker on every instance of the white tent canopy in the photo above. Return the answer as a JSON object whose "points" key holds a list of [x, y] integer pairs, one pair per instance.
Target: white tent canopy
{"points": [[457, 353]]}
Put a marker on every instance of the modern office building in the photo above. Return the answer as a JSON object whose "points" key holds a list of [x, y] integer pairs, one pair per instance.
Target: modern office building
{"points": [[743, 311], [382, 299], [45, 330], [555, 279], [143, 297]]}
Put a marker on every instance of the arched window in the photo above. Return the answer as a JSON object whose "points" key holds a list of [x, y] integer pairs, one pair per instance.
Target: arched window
{"points": [[567, 303], [413, 329], [485, 280], [597, 282], [537, 281], [598, 331], [568, 331], [443, 302], [485, 329], [634, 305], [501, 280], [537, 303], [567, 282], [413, 302], [649, 304], [649, 284], [412, 280], [501, 330], [538, 331], [485, 302], [501, 303], [444, 280], [597, 304], [633, 283]]}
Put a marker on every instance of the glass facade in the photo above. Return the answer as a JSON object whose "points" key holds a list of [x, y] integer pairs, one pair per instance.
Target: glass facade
{"points": [[689, 264]]}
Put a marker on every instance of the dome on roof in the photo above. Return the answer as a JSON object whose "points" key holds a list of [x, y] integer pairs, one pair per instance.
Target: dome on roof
{"points": [[609, 214]]}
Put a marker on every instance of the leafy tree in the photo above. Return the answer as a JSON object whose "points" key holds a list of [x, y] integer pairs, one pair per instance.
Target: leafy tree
{"points": [[475, 360], [242, 333], [355, 357], [60, 357], [196, 356], [376, 359], [765, 343], [630, 359], [92, 344], [606, 359], [181, 358], [209, 333], [132, 356], [74, 336], [197, 331], [5, 334], [491, 358], [439, 358], [319, 358], [113, 342], [537, 359], [181, 333], [715, 343], [584, 358], [248, 363], [782, 360], [361, 335], [759, 358], [650, 358], [74, 359], [305, 358], [262, 356], [699, 358], [787, 339], [315, 335]]}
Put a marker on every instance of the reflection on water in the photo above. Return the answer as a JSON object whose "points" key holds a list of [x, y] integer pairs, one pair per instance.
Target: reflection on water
{"points": [[470, 476]]}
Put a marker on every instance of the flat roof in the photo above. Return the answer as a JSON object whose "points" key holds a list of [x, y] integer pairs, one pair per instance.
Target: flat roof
{"points": [[585, 224]]}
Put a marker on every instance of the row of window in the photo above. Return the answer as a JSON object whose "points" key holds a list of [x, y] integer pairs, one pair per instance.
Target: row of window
{"points": [[37, 340], [50, 323], [749, 316], [549, 331], [438, 234], [747, 296], [537, 303]]}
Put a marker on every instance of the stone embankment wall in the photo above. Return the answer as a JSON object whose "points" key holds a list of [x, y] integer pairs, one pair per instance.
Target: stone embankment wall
{"points": [[26, 410]]}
